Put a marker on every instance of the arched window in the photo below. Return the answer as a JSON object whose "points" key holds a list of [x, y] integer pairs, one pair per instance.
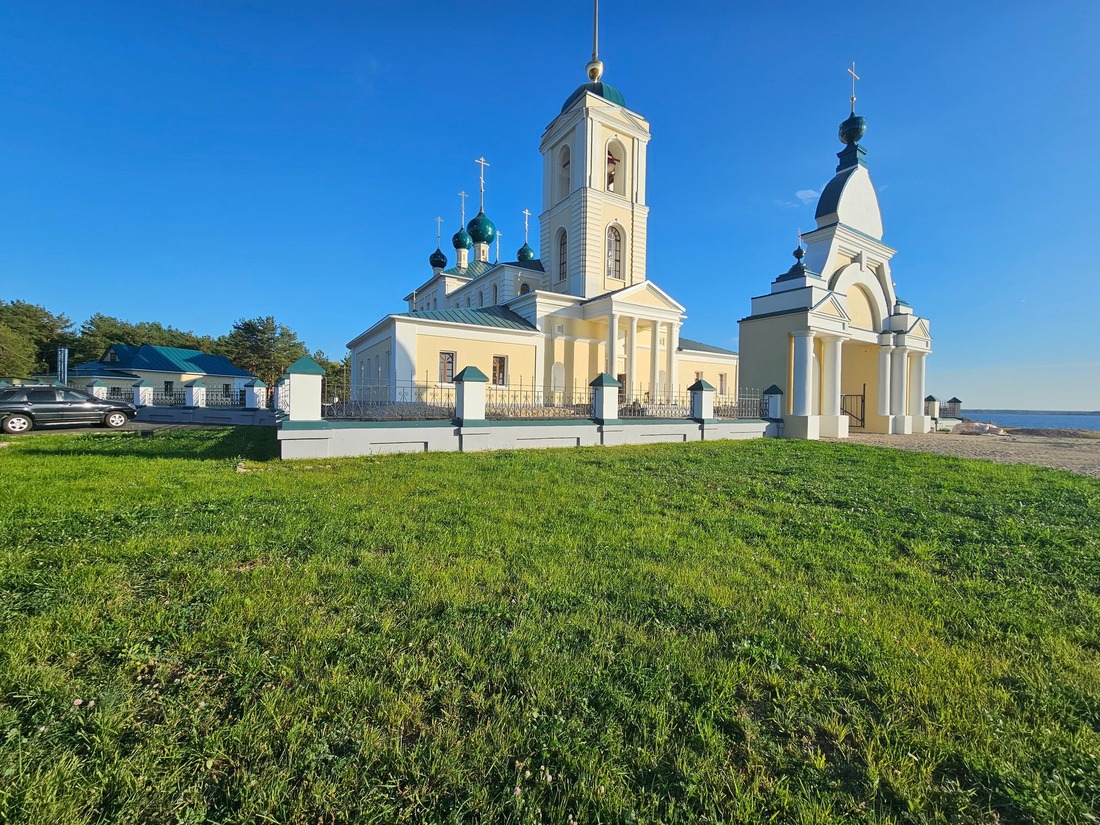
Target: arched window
{"points": [[561, 255], [467, 300], [524, 288], [435, 302], [480, 298], [614, 253], [496, 296], [616, 170], [564, 182]]}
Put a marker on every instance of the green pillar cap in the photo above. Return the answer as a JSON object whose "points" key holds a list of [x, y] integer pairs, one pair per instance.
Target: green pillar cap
{"points": [[305, 366], [773, 390], [700, 385], [142, 384], [256, 382], [471, 374], [604, 380], [95, 382], [197, 383]]}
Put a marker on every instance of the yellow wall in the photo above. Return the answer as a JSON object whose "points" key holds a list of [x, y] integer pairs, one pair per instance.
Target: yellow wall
{"points": [[687, 368], [766, 354], [474, 353], [858, 308]]}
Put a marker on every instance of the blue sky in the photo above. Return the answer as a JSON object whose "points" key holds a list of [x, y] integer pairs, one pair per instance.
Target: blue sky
{"points": [[195, 163]]}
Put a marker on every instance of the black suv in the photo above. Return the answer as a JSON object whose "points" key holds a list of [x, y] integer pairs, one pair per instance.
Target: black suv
{"points": [[25, 407]]}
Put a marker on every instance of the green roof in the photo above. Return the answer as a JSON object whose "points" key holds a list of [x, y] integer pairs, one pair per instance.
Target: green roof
{"points": [[472, 271], [158, 359], [598, 88], [499, 317], [698, 346]]}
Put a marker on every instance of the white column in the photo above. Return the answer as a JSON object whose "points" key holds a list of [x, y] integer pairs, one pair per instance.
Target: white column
{"points": [[655, 359], [612, 340], [916, 391], [632, 356], [673, 345], [884, 379], [830, 376], [899, 362], [803, 388]]}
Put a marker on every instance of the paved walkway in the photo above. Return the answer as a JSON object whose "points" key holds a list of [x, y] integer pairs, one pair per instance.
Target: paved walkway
{"points": [[1076, 453]]}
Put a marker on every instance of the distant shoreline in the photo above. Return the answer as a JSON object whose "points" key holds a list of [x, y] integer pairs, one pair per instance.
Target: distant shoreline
{"points": [[1030, 412]]}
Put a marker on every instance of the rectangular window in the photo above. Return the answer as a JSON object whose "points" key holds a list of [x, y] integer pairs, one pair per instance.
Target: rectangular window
{"points": [[446, 367], [722, 384], [169, 386], [227, 390], [698, 376], [500, 370]]}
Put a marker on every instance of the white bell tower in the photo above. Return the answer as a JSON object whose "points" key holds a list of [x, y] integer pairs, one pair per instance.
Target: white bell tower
{"points": [[593, 221]]}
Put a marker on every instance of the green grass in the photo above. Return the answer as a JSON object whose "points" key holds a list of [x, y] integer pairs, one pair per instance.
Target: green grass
{"points": [[741, 631]]}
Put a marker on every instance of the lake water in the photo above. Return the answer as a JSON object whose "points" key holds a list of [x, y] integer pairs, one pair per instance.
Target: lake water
{"points": [[1050, 421]]}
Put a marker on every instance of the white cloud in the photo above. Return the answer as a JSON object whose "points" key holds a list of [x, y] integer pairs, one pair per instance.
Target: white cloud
{"points": [[807, 195]]}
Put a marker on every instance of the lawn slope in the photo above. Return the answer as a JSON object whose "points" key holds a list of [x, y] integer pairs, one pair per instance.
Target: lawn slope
{"points": [[194, 632]]}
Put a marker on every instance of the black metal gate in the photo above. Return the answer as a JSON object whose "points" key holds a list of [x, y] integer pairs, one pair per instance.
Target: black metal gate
{"points": [[855, 407]]}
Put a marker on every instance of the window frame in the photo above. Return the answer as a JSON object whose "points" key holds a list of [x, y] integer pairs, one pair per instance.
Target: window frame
{"points": [[446, 365], [563, 255], [500, 379], [613, 267]]}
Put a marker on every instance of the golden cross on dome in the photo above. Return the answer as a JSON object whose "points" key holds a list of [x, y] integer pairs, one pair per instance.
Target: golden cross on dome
{"points": [[482, 163], [855, 77]]}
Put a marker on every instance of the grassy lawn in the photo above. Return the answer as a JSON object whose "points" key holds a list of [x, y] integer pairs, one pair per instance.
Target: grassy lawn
{"points": [[740, 631]]}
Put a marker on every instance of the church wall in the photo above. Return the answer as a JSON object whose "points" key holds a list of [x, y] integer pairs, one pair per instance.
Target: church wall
{"points": [[688, 366], [765, 354], [475, 352]]}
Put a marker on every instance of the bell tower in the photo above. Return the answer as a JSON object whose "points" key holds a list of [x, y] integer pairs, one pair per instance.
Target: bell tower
{"points": [[594, 214]]}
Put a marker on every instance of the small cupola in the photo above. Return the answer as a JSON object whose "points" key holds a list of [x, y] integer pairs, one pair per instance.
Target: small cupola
{"points": [[438, 260], [526, 253]]}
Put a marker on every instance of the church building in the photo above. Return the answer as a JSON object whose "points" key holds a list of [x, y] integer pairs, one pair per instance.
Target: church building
{"points": [[831, 338], [555, 322]]}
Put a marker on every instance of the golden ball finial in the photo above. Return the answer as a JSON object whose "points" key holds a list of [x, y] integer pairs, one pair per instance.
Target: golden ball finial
{"points": [[595, 70]]}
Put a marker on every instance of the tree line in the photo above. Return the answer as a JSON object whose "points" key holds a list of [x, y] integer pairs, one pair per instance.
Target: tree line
{"points": [[30, 335]]}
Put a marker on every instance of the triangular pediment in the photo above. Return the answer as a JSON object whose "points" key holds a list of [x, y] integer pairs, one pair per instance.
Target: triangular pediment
{"points": [[920, 329], [648, 294], [830, 306]]}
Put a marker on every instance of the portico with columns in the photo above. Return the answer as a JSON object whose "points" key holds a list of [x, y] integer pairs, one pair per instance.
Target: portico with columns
{"points": [[831, 332]]}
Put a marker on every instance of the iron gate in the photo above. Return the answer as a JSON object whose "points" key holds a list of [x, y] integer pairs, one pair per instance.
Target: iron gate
{"points": [[855, 407]]}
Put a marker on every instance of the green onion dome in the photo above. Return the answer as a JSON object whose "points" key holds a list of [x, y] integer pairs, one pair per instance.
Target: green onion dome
{"points": [[599, 88], [481, 229], [462, 239], [438, 260], [526, 253], [853, 129]]}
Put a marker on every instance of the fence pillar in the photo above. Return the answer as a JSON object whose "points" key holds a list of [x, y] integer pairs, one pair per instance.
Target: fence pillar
{"points": [[194, 394], [97, 389], [255, 394], [303, 382], [702, 400], [605, 398], [143, 394], [773, 402], [470, 385]]}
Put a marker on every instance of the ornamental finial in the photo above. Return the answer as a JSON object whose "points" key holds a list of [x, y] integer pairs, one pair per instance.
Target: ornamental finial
{"points": [[855, 77]]}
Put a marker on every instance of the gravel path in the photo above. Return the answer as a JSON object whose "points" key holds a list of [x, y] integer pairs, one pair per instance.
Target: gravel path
{"points": [[1073, 450]]}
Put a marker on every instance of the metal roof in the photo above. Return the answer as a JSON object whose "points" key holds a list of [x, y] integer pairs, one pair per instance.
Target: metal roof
{"points": [[698, 346], [499, 317], [162, 359]]}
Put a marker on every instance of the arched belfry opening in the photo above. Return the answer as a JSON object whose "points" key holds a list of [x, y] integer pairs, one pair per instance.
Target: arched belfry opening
{"points": [[615, 171], [564, 180]]}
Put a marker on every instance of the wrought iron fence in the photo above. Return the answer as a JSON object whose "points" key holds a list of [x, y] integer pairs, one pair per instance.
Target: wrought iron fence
{"points": [[640, 402], [394, 402], [169, 398], [748, 403], [281, 398], [119, 393], [234, 398], [520, 402]]}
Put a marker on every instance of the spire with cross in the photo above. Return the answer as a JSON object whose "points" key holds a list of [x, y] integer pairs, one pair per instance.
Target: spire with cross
{"points": [[462, 196], [499, 233], [526, 217], [855, 77], [438, 230], [594, 69], [482, 163]]}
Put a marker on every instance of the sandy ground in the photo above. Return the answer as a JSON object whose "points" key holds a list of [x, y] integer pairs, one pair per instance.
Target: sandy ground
{"points": [[1075, 450]]}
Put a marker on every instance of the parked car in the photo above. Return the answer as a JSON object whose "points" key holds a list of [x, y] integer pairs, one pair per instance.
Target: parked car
{"points": [[28, 406]]}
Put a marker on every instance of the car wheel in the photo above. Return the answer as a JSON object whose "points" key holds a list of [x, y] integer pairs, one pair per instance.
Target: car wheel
{"points": [[17, 423], [114, 420]]}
